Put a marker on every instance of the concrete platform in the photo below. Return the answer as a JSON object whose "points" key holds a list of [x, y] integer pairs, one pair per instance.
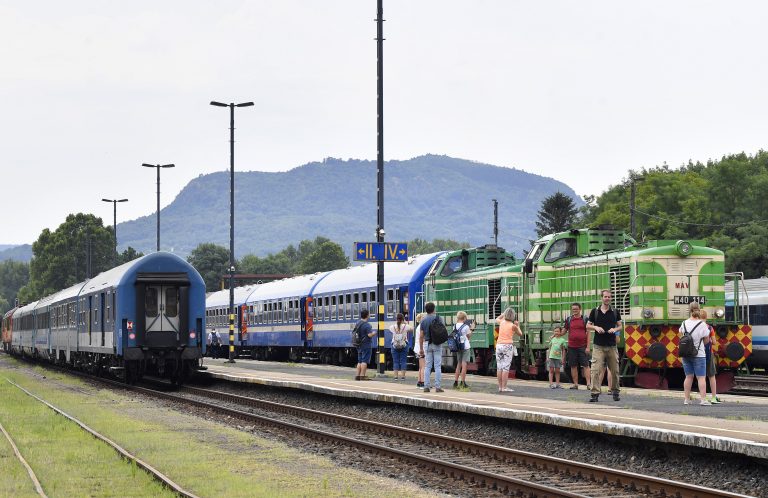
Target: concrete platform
{"points": [[739, 425]]}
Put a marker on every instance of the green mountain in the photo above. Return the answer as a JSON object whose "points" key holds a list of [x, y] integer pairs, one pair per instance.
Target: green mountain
{"points": [[427, 197]]}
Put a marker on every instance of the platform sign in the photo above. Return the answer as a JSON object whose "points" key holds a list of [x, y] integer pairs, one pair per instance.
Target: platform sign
{"points": [[381, 251]]}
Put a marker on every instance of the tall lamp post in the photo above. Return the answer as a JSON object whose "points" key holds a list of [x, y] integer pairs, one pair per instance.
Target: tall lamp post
{"points": [[158, 166], [114, 221], [231, 221]]}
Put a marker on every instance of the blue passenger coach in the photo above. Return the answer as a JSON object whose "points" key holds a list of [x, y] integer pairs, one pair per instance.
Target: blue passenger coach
{"points": [[145, 315], [310, 317]]}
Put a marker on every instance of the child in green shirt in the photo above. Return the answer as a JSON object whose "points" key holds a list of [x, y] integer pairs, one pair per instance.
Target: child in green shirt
{"points": [[557, 345]]}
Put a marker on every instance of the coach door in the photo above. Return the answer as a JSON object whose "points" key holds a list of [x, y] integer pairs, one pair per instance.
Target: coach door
{"points": [[161, 314]]}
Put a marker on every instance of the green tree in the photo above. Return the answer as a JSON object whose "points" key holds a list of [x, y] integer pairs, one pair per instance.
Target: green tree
{"points": [[212, 262], [557, 214], [327, 256], [421, 246], [128, 255], [60, 258], [721, 202], [13, 276]]}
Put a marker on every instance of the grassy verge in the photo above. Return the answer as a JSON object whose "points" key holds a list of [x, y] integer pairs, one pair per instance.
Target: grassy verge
{"points": [[205, 457], [66, 460]]}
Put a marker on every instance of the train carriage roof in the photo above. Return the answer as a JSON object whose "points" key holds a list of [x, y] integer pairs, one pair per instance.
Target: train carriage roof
{"points": [[301, 285], [752, 286], [364, 276], [27, 308], [68, 293], [221, 298], [157, 262]]}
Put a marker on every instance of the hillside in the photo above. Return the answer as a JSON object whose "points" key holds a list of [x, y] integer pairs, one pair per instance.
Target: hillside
{"points": [[21, 253], [428, 197]]}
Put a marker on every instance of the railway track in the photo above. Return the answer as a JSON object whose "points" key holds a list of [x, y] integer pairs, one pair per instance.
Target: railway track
{"points": [[154, 473], [504, 470], [492, 467]]}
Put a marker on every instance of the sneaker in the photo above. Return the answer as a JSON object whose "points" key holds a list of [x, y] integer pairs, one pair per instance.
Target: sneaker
{"points": [[455, 384], [357, 377], [419, 384], [551, 386], [464, 385], [558, 386], [426, 389], [616, 397], [593, 398], [715, 400], [364, 377], [438, 390], [574, 387], [704, 402], [508, 390], [687, 402]]}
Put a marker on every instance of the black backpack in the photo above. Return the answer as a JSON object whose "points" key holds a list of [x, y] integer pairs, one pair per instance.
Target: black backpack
{"points": [[686, 347], [438, 334], [356, 339]]}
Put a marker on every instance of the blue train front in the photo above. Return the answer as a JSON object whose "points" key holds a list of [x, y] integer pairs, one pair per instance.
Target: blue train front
{"points": [[146, 315], [310, 317]]}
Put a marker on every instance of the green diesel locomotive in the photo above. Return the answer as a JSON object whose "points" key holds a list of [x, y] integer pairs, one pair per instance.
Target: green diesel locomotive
{"points": [[652, 285]]}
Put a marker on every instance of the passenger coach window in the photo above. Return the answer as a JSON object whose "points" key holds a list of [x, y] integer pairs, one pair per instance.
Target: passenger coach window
{"points": [[356, 305], [349, 306], [333, 308], [171, 302], [340, 309], [372, 303], [150, 302]]}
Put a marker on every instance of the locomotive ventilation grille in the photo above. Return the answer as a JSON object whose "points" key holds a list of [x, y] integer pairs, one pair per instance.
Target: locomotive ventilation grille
{"points": [[494, 298], [620, 287]]}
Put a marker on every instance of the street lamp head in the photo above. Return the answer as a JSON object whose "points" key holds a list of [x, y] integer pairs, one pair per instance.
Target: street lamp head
{"points": [[122, 200], [244, 104], [219, 104], [167, 166], [107, 200]]}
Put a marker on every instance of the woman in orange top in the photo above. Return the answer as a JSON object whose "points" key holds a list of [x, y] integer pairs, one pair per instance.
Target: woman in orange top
{"points": [[505, 350]]}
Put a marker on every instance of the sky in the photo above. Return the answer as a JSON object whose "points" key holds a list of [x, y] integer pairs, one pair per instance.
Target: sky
{"points": [[582, 92]]}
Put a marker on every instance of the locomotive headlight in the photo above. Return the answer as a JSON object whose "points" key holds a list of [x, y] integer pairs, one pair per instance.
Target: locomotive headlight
{"points": [[683, 247], [719, 313], [647, 313]]}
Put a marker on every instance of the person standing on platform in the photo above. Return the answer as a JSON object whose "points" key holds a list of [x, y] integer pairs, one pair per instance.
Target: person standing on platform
{"points": [[711, 361], [400, 346], [555, 357], [462, 355], [418, 351], [578, 346], [365, 332], [696, 365], [433, 352], [215, 344], [605, 322], [505, 349]]}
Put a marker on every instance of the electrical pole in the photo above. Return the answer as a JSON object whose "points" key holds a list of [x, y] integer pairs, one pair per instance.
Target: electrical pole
{"points": [[380, 179], [496, 222]]}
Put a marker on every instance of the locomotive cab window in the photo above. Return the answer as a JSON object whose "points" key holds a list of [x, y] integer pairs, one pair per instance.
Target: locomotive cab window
{"points": [[451, 266], [563, 248]]}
